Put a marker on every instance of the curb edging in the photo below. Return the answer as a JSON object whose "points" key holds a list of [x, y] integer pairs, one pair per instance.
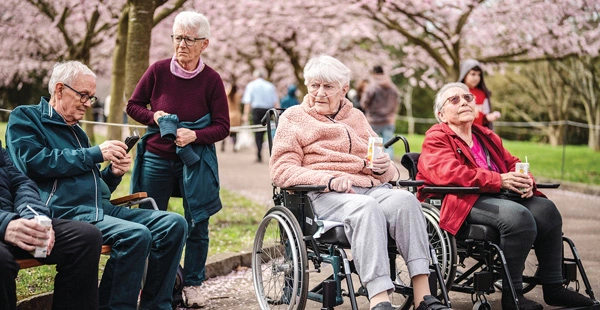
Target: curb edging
{"points": [[219, 265]]}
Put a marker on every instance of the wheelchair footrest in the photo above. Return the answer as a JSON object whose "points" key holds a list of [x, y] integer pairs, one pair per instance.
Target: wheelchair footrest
{"points": [[362, 291], [593, 307]]}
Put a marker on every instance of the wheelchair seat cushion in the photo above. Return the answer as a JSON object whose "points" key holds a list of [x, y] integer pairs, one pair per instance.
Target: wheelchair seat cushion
{"points": [[335, 235], [478, 232]]}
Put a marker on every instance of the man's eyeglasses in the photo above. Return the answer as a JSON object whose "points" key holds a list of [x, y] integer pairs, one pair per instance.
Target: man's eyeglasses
{"points": [[456, 99], [188, 41], [83, 97]]}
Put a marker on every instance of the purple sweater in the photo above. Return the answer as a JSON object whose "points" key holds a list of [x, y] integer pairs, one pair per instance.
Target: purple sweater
{"points": [[189, 99]]}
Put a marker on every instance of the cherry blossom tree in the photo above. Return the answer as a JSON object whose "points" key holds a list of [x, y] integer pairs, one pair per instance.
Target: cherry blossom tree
{"points": [[58, 30]]}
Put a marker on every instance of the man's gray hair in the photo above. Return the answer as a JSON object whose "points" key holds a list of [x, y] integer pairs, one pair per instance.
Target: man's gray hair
{"points": [[439, 100], [327, 69], [259, 73], [193, 22], [67, 72]]}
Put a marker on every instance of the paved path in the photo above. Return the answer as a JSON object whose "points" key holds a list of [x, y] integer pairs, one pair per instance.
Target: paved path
{"points": [[239, 173]]}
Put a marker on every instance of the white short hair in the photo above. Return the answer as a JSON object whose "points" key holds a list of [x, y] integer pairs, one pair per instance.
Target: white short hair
{"points": [[66, 72], [194, 22], [326, 69]]}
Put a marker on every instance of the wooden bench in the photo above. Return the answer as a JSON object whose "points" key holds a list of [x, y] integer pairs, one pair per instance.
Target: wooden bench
{"points": [[32, 262], [126, 201]]}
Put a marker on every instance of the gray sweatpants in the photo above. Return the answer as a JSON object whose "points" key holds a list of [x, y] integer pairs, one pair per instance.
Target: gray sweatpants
{"points": [[369, 216]]}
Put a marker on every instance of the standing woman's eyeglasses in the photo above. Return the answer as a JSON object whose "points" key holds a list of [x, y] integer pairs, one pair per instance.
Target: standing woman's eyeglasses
{"points": [[83, 97]]}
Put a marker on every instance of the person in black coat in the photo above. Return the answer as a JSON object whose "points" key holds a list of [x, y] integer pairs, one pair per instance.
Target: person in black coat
{"points": [[73, 246]]}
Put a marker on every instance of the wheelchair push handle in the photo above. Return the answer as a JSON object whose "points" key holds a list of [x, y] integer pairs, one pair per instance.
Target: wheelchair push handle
{"points": [[272, 113], [395, 139]]}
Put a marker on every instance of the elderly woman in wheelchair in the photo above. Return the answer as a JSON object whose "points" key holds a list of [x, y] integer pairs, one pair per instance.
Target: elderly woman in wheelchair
{"points": [[458, 153], [324, 142]]}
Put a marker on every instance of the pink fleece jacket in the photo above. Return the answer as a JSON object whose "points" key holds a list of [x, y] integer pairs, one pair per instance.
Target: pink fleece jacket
{"points": [[310, 148]]}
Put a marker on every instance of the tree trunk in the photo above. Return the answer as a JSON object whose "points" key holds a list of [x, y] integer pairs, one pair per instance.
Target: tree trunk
{"points": [[594, 133], [139, 34], [117, 89], [407, 101]]}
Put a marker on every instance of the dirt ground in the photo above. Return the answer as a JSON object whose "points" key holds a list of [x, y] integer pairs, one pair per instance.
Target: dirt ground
{"points": [[240, 173]]}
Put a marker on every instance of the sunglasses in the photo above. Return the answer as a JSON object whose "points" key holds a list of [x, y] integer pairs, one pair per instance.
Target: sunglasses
{"points": [[456, 99]]}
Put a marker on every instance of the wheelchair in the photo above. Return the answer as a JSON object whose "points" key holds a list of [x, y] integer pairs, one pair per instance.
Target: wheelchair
{"points": [[291, 243], [477, 264]]}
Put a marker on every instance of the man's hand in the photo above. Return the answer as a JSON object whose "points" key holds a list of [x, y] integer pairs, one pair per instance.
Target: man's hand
{"points": [[113, 150], [27, 234], [185, 136], [119, 167]]}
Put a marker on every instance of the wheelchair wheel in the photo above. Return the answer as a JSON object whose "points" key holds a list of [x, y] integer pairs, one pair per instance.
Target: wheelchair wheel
{"points": [[443, 243], [445, 248], [279, 262]]}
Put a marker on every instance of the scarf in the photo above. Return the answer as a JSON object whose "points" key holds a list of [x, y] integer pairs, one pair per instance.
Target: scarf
{"points": [[179, 71]]}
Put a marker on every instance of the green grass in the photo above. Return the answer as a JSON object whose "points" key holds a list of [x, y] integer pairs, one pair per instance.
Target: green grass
{"points": [[581, 164]]}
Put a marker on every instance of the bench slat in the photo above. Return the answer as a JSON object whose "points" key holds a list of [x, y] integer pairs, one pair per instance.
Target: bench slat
{"points": [[32, 262]]}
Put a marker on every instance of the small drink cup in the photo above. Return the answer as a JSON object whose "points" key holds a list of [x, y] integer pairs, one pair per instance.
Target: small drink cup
{"points": [[41, 251], [374, 150], [522, 168]]}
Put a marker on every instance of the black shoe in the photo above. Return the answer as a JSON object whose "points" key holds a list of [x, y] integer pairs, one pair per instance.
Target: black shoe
{"points": [[559, 296], [431, 303], [524, 304], [384, 305]]}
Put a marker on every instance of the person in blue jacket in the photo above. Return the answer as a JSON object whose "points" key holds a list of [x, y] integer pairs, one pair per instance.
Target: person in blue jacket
{"points": [[46, 143], [290, 98], [72, 245]]}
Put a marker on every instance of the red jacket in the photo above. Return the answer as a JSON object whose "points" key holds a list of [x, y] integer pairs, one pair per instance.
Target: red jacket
{"points": [[446, 160]]}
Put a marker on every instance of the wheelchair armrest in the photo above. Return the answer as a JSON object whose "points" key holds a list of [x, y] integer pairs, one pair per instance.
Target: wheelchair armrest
{"points": [[134, 199], [407, 183], [450, 189], [547, 185], [128, 198], [305, 188]]}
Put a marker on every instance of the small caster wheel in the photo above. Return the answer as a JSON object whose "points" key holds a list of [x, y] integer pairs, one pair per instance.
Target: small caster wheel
{"points": [[482, 305]]}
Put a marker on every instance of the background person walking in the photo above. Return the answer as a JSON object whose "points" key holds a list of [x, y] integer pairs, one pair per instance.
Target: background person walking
{"points": [[380, 102], [259, 96]]}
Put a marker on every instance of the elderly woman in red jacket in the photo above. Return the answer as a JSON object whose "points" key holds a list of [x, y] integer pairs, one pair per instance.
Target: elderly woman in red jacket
{"points": [[323, 141], [457, 152]]}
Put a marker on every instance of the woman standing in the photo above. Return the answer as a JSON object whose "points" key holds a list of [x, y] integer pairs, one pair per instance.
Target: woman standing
{"points": [[176, 158]]}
